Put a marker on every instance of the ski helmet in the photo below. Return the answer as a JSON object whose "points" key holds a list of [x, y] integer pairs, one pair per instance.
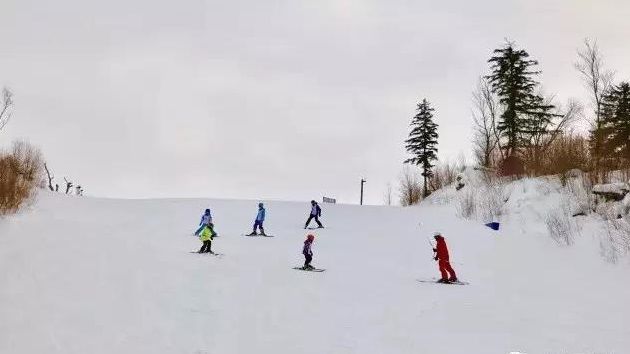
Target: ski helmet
{"points": [[310, 237], [260, 205], [437, 234]]}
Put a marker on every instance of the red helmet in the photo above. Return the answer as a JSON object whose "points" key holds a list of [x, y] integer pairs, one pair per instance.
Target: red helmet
{"points": [[310, 237]]}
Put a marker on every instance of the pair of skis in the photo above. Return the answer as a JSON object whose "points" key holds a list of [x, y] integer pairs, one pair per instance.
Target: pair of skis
{"points": [[316, 270], [437, 281], [209, 253]]}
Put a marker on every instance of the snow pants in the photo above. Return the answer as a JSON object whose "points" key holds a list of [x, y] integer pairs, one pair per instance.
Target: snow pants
{"points": [[446, 269], [259, 224], [307, 260], [311, 217], [206, 247]]}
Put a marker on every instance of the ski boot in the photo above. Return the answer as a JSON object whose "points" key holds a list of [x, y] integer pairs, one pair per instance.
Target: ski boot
{"points": [[445, 281], [253, 234]]}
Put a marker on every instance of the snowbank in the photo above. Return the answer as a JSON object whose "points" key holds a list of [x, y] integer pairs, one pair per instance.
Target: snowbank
{"points": [[544, 207]]}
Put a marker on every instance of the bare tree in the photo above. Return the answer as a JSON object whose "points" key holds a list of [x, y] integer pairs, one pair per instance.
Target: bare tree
{"points": [[5, 107], [387, 196], [486, 139], [410, 187], [444, 174], [50, 178], [597, 80], [28, 161], [68, 185], [543, 136]]}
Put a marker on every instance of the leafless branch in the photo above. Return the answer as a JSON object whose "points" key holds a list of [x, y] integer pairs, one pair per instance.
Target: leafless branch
{"points": [[484, 114], [68, 185], [597, 80], [5, 110], [50, 177]]}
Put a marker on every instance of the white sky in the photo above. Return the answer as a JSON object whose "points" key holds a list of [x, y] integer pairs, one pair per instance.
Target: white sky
{"points": [[268, 99]]}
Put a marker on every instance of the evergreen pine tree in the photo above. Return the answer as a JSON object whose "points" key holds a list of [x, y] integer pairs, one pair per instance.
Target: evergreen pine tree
{"points": [[525, 115], [615, 128], [422, 142]]}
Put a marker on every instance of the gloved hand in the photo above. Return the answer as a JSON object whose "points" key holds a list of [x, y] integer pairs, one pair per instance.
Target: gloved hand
{"points": [[435, 258], [435, 250]]}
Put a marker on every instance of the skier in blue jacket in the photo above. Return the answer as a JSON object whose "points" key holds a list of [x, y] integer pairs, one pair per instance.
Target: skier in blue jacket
{"points": [[316, 213], [260, 218], [206, 220]]}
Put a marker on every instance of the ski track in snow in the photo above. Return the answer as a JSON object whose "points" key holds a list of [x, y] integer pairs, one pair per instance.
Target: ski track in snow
{"points": [[82, 275]]}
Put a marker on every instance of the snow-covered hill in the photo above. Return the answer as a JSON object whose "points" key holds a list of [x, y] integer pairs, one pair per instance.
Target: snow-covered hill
{"points": [[84, 275]]}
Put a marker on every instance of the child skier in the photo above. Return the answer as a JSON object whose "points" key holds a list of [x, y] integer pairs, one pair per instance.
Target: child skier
{"points": [[443, 260], [260, 218], [307, 252], [207, 234], [316, 213], [206, 219]]}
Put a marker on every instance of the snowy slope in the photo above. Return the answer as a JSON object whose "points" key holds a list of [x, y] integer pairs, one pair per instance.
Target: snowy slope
{"points": [[82, 275]]}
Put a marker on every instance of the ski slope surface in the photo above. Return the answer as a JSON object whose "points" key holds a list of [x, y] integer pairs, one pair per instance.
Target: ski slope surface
{"points": [[85, 275]]}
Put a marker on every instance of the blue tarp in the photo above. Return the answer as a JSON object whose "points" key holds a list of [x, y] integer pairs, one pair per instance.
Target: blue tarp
{"points": [[493, 225]]}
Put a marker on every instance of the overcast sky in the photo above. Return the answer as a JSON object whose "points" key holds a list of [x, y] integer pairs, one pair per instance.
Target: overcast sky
{"points": [[268, 99]]}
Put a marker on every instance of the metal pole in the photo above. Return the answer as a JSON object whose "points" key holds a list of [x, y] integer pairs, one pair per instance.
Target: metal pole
{"points": [[362, 182]]}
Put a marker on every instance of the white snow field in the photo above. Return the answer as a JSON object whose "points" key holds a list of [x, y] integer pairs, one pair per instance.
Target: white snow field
{"points": [[85, 275]]}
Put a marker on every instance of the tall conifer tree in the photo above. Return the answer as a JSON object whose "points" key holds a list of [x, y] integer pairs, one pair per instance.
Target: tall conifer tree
{"points": [[422, 142], [615, 128], [525, 113]]}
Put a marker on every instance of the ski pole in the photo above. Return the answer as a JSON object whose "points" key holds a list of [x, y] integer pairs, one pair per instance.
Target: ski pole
{"points": [[432, 248]]}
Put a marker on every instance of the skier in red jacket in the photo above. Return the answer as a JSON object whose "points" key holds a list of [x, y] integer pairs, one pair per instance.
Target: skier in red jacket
{"points": [[443, 260]]}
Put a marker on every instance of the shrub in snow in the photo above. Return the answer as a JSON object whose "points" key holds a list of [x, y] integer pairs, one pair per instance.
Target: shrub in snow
{"points": [[581, 198], [562, 228], [484, 200], [20, 173], [467, 206], [615, 242], [491, 201]]}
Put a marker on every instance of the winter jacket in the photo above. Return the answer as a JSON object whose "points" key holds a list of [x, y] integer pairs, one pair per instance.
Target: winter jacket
{"points": [[206, 219], [307, 248], [261, 214], [316, 210], [206, 234], [441, 249]]}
